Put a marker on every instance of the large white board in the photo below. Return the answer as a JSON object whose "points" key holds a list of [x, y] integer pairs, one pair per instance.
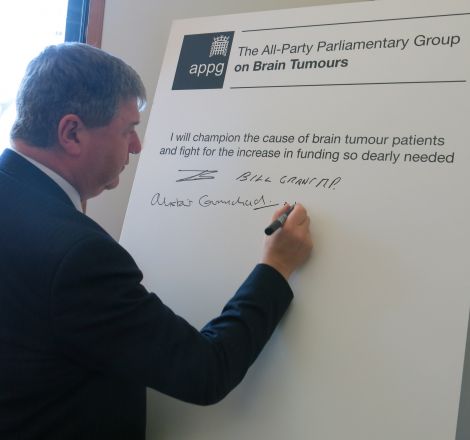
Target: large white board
{"points": [[367, 107]]}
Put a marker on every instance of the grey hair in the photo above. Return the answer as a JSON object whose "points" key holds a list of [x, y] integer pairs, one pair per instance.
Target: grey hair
{"points": [[72, 78]]}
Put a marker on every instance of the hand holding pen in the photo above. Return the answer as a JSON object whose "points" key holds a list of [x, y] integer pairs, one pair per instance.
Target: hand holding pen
{"points": [[276, 224], [291, 245]]}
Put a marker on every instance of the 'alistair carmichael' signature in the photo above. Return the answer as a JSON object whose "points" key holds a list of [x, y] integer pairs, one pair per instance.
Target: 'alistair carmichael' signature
{"points": [[205, 201]]}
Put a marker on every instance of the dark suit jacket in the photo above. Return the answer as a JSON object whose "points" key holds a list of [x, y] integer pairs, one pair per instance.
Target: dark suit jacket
{"points": [[81, 338]]}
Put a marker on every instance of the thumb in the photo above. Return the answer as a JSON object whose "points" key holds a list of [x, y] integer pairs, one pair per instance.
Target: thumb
{"points": [[284, 208]]}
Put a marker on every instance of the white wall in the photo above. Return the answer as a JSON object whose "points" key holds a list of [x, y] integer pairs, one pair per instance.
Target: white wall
{"points": [[137, 32]]}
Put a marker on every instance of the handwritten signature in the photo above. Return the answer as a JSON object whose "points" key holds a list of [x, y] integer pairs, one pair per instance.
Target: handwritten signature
{"points": [[315, 181], [205, 201], [200, 175], [252, 177]]}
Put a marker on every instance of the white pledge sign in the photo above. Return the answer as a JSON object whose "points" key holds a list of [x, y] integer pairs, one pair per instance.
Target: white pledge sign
{"points": [[361, 113]]}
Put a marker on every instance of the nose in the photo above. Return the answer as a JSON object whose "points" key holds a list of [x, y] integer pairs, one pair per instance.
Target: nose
{"points": [[135, 147]]}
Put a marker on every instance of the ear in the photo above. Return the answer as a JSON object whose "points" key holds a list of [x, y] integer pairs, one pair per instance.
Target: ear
{"points": [[69, 134]]}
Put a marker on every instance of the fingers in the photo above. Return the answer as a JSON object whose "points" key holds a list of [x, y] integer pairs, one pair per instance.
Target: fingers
{"points": [[284, 208], [298, 216], [305, 222]]}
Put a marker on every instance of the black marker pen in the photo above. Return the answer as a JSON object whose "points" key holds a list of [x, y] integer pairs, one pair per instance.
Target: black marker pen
{"points": [[276, 224]]}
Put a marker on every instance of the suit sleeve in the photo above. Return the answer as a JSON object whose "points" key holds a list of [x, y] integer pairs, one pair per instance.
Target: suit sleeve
{"points": [[106, 321]]}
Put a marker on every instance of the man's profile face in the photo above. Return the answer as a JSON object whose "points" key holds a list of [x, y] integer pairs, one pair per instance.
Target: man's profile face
{"points": [[107, 149]]}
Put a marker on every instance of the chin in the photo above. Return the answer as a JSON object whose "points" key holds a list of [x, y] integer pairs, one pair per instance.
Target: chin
{"points": [[113, 184]]}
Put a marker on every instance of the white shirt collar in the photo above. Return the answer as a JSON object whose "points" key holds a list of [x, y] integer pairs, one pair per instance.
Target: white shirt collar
{"points": [[71, 192]]}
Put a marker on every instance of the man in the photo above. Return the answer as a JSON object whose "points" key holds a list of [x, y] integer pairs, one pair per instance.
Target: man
{"points": [[80, 337]]}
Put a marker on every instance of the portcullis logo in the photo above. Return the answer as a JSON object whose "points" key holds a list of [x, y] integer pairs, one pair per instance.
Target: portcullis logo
{"points": [[203, 61]]}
